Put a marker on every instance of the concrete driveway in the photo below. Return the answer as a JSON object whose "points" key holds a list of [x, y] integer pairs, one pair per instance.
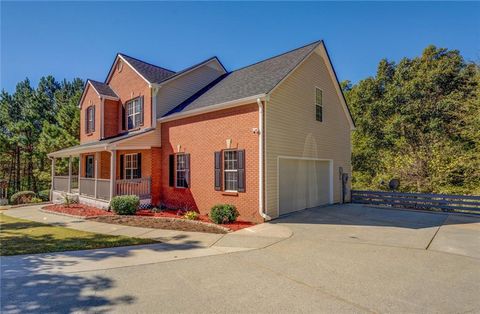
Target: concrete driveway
{"points": [[339, 259]]}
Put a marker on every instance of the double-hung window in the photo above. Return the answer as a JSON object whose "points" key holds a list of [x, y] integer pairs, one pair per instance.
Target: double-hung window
{"points": [[90, 120], [134, 113], [181, 169], [230, 169], [131, 166], [318, 104]]}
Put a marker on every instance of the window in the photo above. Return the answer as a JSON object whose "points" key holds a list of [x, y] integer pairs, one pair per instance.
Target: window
{"points": [[230, 160], [135, 113], [318, 104], [131, 166], [90, 120], [89, 168], [181, 168]]}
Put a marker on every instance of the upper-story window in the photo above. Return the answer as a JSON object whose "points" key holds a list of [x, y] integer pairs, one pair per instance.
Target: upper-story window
{"points": [[90, 120], [318, 104], [134, 113]]}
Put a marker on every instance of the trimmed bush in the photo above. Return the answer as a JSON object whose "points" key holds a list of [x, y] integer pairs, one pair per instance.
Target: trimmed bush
{"points": [[191, 215], [125, 204], [223, 213], [44, 195], [22, 197], [36, 200]]}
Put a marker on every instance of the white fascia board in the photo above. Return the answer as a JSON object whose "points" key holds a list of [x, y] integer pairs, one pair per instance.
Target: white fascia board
{"points": [[77, 151], [221, 106]]}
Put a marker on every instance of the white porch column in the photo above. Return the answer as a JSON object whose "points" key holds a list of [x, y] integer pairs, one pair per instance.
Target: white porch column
{"points": [[79, 172], [69, 185], [53, 177], [113, 175], [97, 157]]}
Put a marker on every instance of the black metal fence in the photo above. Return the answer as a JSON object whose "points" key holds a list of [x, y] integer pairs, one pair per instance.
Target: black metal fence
{"points": [[436, 202]]}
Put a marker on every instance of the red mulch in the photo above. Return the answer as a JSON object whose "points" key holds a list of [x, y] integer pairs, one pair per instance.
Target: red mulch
{"points": [[78, 210], [89, 211]]}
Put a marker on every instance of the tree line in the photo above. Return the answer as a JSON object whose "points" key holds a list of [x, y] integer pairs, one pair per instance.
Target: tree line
{"points": [[417, 120], [33, 123]]}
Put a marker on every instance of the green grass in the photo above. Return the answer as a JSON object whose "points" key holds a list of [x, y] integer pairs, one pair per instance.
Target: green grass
{"points": [[19, 236]]}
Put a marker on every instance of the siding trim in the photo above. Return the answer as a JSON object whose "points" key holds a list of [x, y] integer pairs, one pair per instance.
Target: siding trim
{"points": [[330, 173]]}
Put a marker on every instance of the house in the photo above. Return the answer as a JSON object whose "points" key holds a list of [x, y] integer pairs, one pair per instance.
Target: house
{"points": [[270, 138]]}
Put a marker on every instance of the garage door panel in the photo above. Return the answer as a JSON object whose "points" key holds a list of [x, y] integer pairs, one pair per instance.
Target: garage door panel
{"points": [[302, 184]]}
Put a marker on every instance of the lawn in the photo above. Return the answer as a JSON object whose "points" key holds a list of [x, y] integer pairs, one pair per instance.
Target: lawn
{"points": [[18, 236]]}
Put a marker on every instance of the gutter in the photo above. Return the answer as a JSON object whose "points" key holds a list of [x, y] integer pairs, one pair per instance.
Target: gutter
{"points": [[261, 209]]}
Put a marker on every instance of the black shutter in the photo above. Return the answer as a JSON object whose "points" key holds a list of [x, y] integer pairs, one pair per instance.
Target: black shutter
{"points": [[218, 171], [139, 165], [171, 170], [187, 170], [124, 117], [141, 110], [241, 170], [93, 119], [121, 167]]}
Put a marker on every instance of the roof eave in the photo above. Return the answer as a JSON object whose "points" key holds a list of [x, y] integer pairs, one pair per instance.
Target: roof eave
{"points": [[216, 107]]}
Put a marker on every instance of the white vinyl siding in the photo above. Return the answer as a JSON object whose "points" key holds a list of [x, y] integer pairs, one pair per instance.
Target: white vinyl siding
{"points": [[291, 129]]}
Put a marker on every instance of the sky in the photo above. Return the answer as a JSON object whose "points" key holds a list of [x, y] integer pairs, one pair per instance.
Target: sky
{"points": [[73, 39]]}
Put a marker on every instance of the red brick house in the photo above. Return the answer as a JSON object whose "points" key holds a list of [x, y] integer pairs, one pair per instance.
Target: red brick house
{"points": [[270, 138]]}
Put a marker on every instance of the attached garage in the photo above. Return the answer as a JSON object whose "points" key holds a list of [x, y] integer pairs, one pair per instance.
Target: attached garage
{"points": [[304, 183]]}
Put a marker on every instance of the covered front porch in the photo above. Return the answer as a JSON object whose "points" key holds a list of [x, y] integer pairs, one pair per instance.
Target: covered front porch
{"points": [[99, 171]]}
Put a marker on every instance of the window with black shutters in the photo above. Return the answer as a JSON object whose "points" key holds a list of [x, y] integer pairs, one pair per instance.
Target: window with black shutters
{"points": [[181, 164], [131, 166], [179, 170], [233, 171]]}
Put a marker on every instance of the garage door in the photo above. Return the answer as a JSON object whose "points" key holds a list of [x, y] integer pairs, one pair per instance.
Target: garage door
{"points": [[303, 184]]}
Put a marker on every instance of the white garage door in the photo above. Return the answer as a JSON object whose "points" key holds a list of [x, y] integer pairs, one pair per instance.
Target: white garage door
{"points": [[303, 184]]}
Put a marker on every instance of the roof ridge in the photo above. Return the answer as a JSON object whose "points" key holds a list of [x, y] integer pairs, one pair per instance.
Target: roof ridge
{"points": [[151, 64], [279, 55]]}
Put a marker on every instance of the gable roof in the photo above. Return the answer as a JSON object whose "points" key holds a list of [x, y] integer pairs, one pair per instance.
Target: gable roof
{"points": [[258, 78], [151, 73], [102, 89], [193, 67]]}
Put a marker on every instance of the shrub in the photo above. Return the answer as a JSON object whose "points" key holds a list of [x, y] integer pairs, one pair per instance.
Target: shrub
{"points": [[36, 200], [125, 204], [191, 215], [223, 213], [44, 195], [22, 197], [68, 200]]}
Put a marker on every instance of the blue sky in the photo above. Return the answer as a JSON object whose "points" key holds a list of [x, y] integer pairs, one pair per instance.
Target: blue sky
{"points": [[71, 39]]}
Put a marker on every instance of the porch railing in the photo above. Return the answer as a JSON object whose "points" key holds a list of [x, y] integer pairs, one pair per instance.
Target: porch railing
{"points": [[87, 186], [103, 189], [140, 187], [60, 183]]}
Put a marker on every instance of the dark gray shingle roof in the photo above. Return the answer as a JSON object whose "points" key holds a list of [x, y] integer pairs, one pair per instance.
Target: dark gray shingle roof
{"points": [[152, 73], [103, 89], [258, 78]]}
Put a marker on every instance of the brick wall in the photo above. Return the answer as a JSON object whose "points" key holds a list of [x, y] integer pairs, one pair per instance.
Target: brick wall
{"points": [[201, 136], [111, 113], [91, 98]]}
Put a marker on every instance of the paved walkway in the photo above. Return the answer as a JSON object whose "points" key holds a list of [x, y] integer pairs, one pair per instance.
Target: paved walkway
{"points": [[174, 244]]}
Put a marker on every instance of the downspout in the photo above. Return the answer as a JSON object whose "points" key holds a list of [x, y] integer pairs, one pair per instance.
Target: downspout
{"points": [[261, 209]]}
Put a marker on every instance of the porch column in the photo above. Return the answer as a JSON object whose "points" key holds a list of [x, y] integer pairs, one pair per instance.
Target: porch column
{"points": [[97, 156], [113, 172], [53, 177], [79, 172], [69, 186]]}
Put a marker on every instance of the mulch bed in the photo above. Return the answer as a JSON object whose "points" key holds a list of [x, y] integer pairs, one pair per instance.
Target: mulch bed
{"points": [[160, 223], [170, 219]]}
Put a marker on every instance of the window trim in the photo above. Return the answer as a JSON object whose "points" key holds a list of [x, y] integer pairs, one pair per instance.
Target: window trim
{"points": [[140, 113], [90, 119], [133, 170], [224, 170], [318, 105], [184, 170]]}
